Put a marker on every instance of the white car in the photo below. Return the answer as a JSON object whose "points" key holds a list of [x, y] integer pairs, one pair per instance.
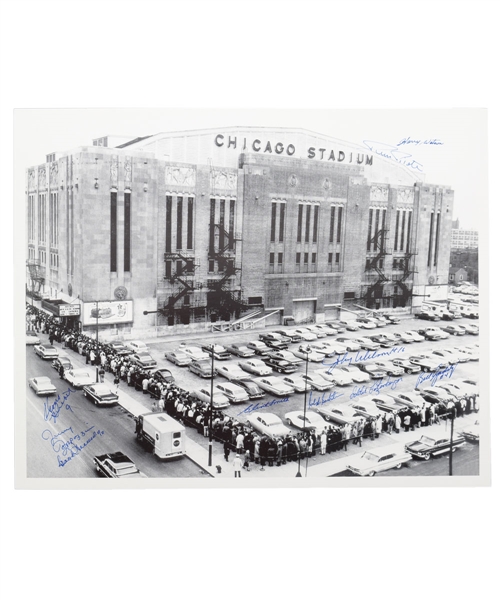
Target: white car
{"points": [[365, 408], [350, 325], [470, 351], [411, 399], [350, 344], [268, 424], [319, 333], [259, 347], [326, 329], [233, 392], [340, 414], [335, 376], [391, 369], [46, 351], [323, 348], [255, 366], [275, 386], [79, 377], [219, 400], [317, 382], [312, 356], [285, 355], [297, 382], [306, 334], [378, 459], [42, 386], [417, 337], [194, 352], [404, 337], [312, 421], [355, 374], [231, 372], [32, 338], [136, 346]]}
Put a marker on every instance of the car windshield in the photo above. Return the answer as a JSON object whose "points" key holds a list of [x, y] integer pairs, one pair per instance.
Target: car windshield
{"points": [[427, 440], [369, 456]]}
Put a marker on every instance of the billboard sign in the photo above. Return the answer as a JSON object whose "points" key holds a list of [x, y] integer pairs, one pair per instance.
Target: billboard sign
{"points": [[104, 313]]}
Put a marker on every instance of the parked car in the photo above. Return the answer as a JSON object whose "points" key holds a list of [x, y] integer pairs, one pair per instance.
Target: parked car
{"points": [[350, 344], [202, 368], [411, 399], [178, 358], [432, 445], [78, 378], [274, 385], [312, 356], [378, 460], [119, 348], [379, 321], [306, 334], [297, 382], [426, 364], [427, 316], [349, 325], [231, 372], [136, 346], [415, 335], [285, 355], [31, 338], [470, 351], [446, 356], [472, 432], [251, 388], [336, 325], [259, 347], [323, 348], [373, 371], [311, 422], [46, 351], [453, 329], [392, 318], [268, 424], [317, 331], [233, 392], [366, 408], [100, 394], [289, 334], [280, 366], [194, 352], [339, 414], [42, 386], [386, 402], [274, 340], [367, 344], [317, 382], [220, 352], [163, 376], [335, 376], [431, 332], [62, 361], [470, 328], [403, 338], [219, 400], [354, 373], [406, 365], [116, 466], [143, 360], [255, 366], [240, 350], [365, 323], [436, 395], [390, 368]]}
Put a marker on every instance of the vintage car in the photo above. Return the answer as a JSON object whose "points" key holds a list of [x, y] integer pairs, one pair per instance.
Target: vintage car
{"points": [[285, 355], [432, 445], [289, 334], [453, 329], [312, 421], [116, 465], [31, 338], [219, 399], [181, 359], [378, 459], [100, 394], [306, 334], [354, 373], [268, 424], [427, 316], [231, 372], [252, 389], [404, 337], [383, 339], [46, 351], [317, 331], [390, 368], [194, 352], [202, 368], [327, 330], [365, 323], [311, 356], [372, 370], [240, 350], [470, 328], [434, 333], [42, 386], [275, 386], [297, 382], [233, 392], [136, 346], [365, 408], [143, 359], [447, 356], [62, 361], [472, 432], [411, 399], [386, 402], [79, 377], [426, 364], [415, 335], [317, 382], [470, 351], [335, 376], [280, 366], [366, 343], [349, 325], [339, 414], [163, 376], [259, 347], [255, 366], [436, 394], [274, 340], [406, 365], [119, 348], [336, 326], [220, 352]]}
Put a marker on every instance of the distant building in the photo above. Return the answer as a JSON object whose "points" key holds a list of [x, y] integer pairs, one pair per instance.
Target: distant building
{"points": [[464, 238], [455, 224], [466, 259], [457, 275]]}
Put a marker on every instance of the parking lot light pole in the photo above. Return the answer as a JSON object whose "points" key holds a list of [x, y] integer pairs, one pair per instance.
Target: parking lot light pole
{"points": [[452, 417], [97, 341], [212, 347], [307, 351]]}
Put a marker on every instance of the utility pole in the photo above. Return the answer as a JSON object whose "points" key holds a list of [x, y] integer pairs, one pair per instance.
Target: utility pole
{"points": [[452, 415], [211, 409]]}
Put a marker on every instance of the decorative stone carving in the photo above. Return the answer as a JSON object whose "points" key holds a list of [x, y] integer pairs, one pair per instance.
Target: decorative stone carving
{"points": [[406, 195], [54, 169], [121, 292], [180, 176], [128, 169], [379, 193], [327, 184], [42, 177], [225, 180], [31, 179], [293, 181], [113, 170]]}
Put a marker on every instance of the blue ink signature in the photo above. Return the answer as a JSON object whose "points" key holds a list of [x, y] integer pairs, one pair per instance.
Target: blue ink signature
{"points": [[437, 376], [323, 399], [360, 357], [51, 411], [70, 448], [339, 360], [260, 405], [375, 387], [393, 153], [408, 140]]}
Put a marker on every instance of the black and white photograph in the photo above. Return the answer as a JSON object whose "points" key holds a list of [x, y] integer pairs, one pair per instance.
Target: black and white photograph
{"points": [[240, 299]]}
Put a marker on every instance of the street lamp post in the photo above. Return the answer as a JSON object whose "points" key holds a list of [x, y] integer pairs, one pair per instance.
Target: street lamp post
{"points": [[212, 347], [452, 417], [307, 351], [97, 340]]}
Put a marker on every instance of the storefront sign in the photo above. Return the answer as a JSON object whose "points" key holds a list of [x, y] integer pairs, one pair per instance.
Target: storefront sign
{"points": [[104, 313], [69, 310]]}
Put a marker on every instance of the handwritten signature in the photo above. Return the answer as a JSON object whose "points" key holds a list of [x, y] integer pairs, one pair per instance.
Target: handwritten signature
{"points": [[393, 153], [360, 357], [260, 405], [375, 388], [52, 410], [323, 399], [431, 142], [71, 447], [437, 376]]}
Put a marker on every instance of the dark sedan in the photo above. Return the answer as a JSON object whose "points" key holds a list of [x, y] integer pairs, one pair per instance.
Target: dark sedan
{"points": [[428, 446], [100, 394], [163, 376], [280, 366]]}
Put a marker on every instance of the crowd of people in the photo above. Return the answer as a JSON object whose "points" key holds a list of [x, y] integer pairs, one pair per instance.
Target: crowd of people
{"points": [[233, 435]]}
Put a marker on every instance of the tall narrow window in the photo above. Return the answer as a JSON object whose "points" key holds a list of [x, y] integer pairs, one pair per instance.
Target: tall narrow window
{"points": [[377, 217], [313, 262], [369, 239], [282, 222], [113, 231], [190, 224], [168, 269], [315, 224], [179, 223], [306, 262], [126, 232], [408, 236], [211, 241], [397, 231], [273, 221], [339, 225], [232, 206], [168, 225], [382, 235], [330, 260], [222, 232], [431, 236], [332, 223], [271, 262], [401, 245], [280, 262], [299, 223], [436, 248], [297, 262], [308, 218]]}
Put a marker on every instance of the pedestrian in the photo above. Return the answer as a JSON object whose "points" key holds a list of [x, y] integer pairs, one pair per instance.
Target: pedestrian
{"points": [[101, 374], [407, 421], [397, 423], [246, 464], [161, 404], [237, 465], [323, 442]]}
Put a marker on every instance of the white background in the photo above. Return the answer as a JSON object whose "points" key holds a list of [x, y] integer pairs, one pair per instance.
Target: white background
{"points": [[249, 543]]}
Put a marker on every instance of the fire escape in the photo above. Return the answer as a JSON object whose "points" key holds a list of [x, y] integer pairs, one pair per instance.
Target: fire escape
{"points": [[37, 275], [375, 264], [182, 272], [408, 270]]}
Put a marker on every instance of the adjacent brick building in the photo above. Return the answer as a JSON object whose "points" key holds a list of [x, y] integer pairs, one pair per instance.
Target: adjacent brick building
{"points": [[203, 226]]}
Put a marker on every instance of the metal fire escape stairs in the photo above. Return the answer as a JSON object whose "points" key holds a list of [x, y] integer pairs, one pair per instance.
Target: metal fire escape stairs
{"points": [[36, 273], [184, 272], [379, 241]]}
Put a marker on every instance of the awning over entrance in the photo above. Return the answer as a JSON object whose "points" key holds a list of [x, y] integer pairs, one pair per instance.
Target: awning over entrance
{"points": [[59, 308]]}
